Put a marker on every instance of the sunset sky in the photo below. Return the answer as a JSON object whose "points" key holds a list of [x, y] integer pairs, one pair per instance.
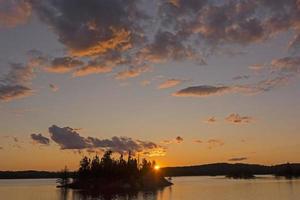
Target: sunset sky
{"points": [[183, 82]]}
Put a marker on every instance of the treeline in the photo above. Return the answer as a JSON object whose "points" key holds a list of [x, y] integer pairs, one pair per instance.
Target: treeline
{"points": [[109, 168], [31, 174], [235, 170], [108, 173]]}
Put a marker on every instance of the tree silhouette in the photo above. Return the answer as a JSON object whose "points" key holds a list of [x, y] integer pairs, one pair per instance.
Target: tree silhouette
{"points": [[110, 173]]}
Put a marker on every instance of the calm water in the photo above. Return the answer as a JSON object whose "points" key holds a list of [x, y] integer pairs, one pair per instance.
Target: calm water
{"points": [[184, 188]]}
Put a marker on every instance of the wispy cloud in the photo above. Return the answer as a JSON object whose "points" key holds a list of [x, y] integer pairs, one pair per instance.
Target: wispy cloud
{"points": [[145, 82], [213, 143], [16, 84], [210, 120], [14, 12], [132, 72], [237, 119], [40, 139], [176, 140], [237, 159], [240, 77], [53, 87], [202, 91], [63, 64], [170, 83], [198, 141]]}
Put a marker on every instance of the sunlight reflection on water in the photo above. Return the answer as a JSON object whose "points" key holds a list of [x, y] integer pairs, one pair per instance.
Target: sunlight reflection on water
{"points": [[190, 188]]}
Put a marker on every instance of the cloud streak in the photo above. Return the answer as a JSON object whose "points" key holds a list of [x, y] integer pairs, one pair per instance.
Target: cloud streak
{"points": [[40, 139], [202, 91], [63, 65], [210, 120], [237, 159], [213, 143], [53, 87], [237, 119], [177, 140], [170, 83], [16, 84]]}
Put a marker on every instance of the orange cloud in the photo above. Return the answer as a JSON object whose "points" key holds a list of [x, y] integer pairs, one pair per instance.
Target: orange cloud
{"points": [[120, 40], [170, 83], [14, 12], [63, 64], [101, 64], [132, 72]]}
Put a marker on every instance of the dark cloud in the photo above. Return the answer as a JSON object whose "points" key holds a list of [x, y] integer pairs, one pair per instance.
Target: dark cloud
{"points": [[237, 159], [8, 93], [179, 139], [237, 119], [125, 144], [16, 84], [166, 46], [40, 139], [14, 12], [146, 32], [232, 22], [108, 34], [202, 91], [1, 148], [68, 138], [93, 27]]}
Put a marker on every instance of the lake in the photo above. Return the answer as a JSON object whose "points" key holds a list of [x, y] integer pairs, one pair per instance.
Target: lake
{"points": [[184, 188]]}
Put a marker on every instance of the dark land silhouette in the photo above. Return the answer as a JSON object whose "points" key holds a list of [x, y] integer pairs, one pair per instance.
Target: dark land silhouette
{"points": [[238, 170], [109, 175]]}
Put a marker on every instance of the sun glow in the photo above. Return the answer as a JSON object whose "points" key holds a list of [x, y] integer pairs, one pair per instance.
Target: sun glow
{"points": [[156, 167]]}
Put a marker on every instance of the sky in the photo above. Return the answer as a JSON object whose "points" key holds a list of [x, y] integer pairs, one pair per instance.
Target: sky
{"points": [[182, 82]]}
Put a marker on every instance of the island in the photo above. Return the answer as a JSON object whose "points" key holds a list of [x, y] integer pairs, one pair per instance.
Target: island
{"points": [[108, 174]]}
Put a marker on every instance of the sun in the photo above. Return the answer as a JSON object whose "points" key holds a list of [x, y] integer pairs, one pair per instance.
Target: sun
{"points": [[157, 167]]}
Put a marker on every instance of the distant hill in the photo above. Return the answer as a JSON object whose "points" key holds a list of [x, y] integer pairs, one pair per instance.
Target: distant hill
{"points": [[217, 169], [226, 169], [30, 174]]}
